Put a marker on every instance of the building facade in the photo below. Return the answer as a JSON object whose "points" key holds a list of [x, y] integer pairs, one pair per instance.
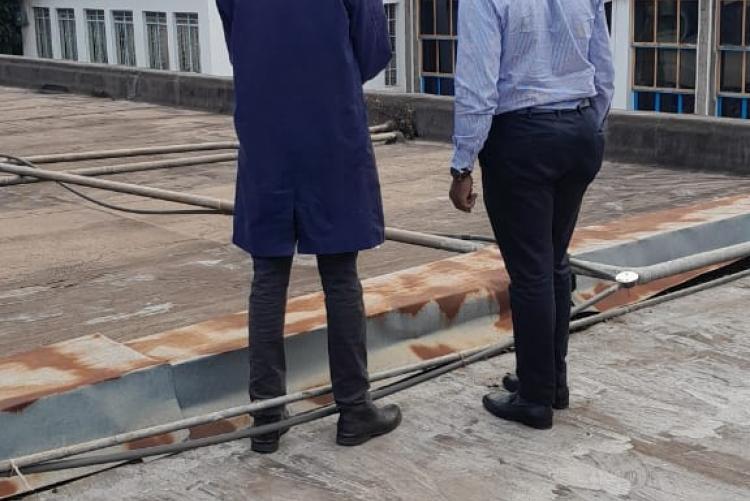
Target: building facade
{"points": [[181, 35], [671, 56]]}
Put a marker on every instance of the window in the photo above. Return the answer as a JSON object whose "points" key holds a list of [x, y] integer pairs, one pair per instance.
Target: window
{"points": [[665, 35], [66, 18], [124, 37], [43, 27], [188, 42], [391, 72], [97, 32], [734, 59], [438, 21], [158, 40]]}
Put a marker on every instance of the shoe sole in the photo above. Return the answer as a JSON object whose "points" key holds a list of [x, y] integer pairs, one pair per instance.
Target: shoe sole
{"points": [[361, 439], [538, 425], [264, 448]]}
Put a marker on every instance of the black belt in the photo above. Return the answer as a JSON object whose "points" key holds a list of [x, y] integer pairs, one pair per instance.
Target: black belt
{"points": [[586, 103]]}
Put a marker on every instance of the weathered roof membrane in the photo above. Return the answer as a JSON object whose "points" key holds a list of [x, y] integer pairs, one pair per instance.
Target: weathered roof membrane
{"points": [[92, 386]]}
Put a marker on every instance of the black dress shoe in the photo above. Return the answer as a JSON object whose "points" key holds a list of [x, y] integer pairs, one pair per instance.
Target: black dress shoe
{"points": [[562, 394], [268, 442], [514, 408], [358, 425]]}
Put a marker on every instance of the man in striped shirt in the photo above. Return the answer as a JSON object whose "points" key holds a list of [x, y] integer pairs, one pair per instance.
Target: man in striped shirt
{"points": [[534, 83]]}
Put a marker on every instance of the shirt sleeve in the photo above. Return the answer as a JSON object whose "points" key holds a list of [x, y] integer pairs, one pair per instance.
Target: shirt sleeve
{"points": [[226, 12], [600, 55], [477, 75], [368, 29]]}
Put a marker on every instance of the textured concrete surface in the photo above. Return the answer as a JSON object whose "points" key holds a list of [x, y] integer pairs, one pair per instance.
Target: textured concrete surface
{"points": [[660, 411], [678, 141], [71, 269]]}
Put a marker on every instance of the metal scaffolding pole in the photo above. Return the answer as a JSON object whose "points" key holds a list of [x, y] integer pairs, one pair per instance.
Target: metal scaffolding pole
{"points": [[224, 206], [107, 170]]}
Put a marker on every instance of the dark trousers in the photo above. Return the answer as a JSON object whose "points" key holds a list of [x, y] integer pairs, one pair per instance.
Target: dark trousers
{"points": [[535, 171], [347, 347]]}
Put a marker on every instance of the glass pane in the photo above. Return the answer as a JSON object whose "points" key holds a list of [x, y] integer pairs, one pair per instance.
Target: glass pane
{"points": [[666, 69], [747, 24], [429, 56], [446, 56], [731, 22], [427, 17], [645, 101], [669, 103], [688, 103], [687, 69], [731, 107], [430, 85], [447, 87], [747, 72], [443, 17], [644, 21], [689, 21], [666, 26], [644, 67], [731, 71], [455, 16]]}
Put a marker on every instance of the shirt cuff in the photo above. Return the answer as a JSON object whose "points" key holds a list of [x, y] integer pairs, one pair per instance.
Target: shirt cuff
{"points": [[463, 160]]}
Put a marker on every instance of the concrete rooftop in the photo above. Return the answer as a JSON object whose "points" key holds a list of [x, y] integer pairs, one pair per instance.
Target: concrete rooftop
{"points": [[661, 399]]}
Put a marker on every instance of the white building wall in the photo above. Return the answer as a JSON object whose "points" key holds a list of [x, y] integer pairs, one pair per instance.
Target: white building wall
{"points": [[214, 58], [620, 39]]}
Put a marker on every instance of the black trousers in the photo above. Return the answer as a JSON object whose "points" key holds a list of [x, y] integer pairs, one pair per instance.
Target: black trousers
{"points": [[535, 172], [347, 346]]}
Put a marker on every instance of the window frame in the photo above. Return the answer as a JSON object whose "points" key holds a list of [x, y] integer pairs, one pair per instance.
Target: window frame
{"points": [[67, 25], [391, 76], [42, 51], [130, 30], [744, 49], [437, 76], [161, 25], [656, 46], [194, 60], [97, 24]]}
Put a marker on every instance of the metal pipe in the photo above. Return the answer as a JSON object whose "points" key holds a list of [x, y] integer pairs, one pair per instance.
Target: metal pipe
{"points": [[386, 127], [386, 137], [464, 360], [306, 417], [225, 206], [618, 312], [595, 299], [123, 438], [107, 170], [131, 189], [657, 271], [132, 152]]}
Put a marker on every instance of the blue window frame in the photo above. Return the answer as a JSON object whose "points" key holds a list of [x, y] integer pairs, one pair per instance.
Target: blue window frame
{"points": [[733, 71], [438, 20], [664, 40]]}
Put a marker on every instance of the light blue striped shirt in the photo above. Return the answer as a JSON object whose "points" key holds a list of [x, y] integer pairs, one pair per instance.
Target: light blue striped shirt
{"points": [[517, 54]]}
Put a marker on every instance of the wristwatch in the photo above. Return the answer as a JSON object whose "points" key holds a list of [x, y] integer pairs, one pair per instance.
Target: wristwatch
{"points": [[460, 175]]}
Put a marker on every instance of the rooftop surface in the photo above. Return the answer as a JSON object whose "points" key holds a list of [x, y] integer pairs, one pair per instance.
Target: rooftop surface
{"points": [[661, 399]]}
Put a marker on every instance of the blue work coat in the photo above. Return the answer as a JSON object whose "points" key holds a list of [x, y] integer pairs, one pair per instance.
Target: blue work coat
{"points": [[306, 176]]}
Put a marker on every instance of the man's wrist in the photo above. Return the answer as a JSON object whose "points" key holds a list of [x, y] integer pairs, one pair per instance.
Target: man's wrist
{"points": [[460, 174]]}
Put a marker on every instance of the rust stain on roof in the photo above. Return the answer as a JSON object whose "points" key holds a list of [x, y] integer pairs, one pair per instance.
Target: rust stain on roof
{"points": [[428, 352], [220, 427], [27, 377], [7, 488], [148, 442]]}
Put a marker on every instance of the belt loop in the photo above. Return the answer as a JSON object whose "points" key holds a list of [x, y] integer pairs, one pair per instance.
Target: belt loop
{"points": [[558, 113]]}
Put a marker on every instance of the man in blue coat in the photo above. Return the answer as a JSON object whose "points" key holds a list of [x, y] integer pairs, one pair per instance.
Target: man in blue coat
{"points": [[307, 181]]}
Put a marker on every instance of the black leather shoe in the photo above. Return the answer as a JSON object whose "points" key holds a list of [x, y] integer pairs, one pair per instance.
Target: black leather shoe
{"points": [[358, 425], [562, 395], [514, 408], [268, 442]]}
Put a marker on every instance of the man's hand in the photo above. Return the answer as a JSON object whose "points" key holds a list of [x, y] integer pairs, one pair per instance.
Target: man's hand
{"points": [[462, 194]]}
